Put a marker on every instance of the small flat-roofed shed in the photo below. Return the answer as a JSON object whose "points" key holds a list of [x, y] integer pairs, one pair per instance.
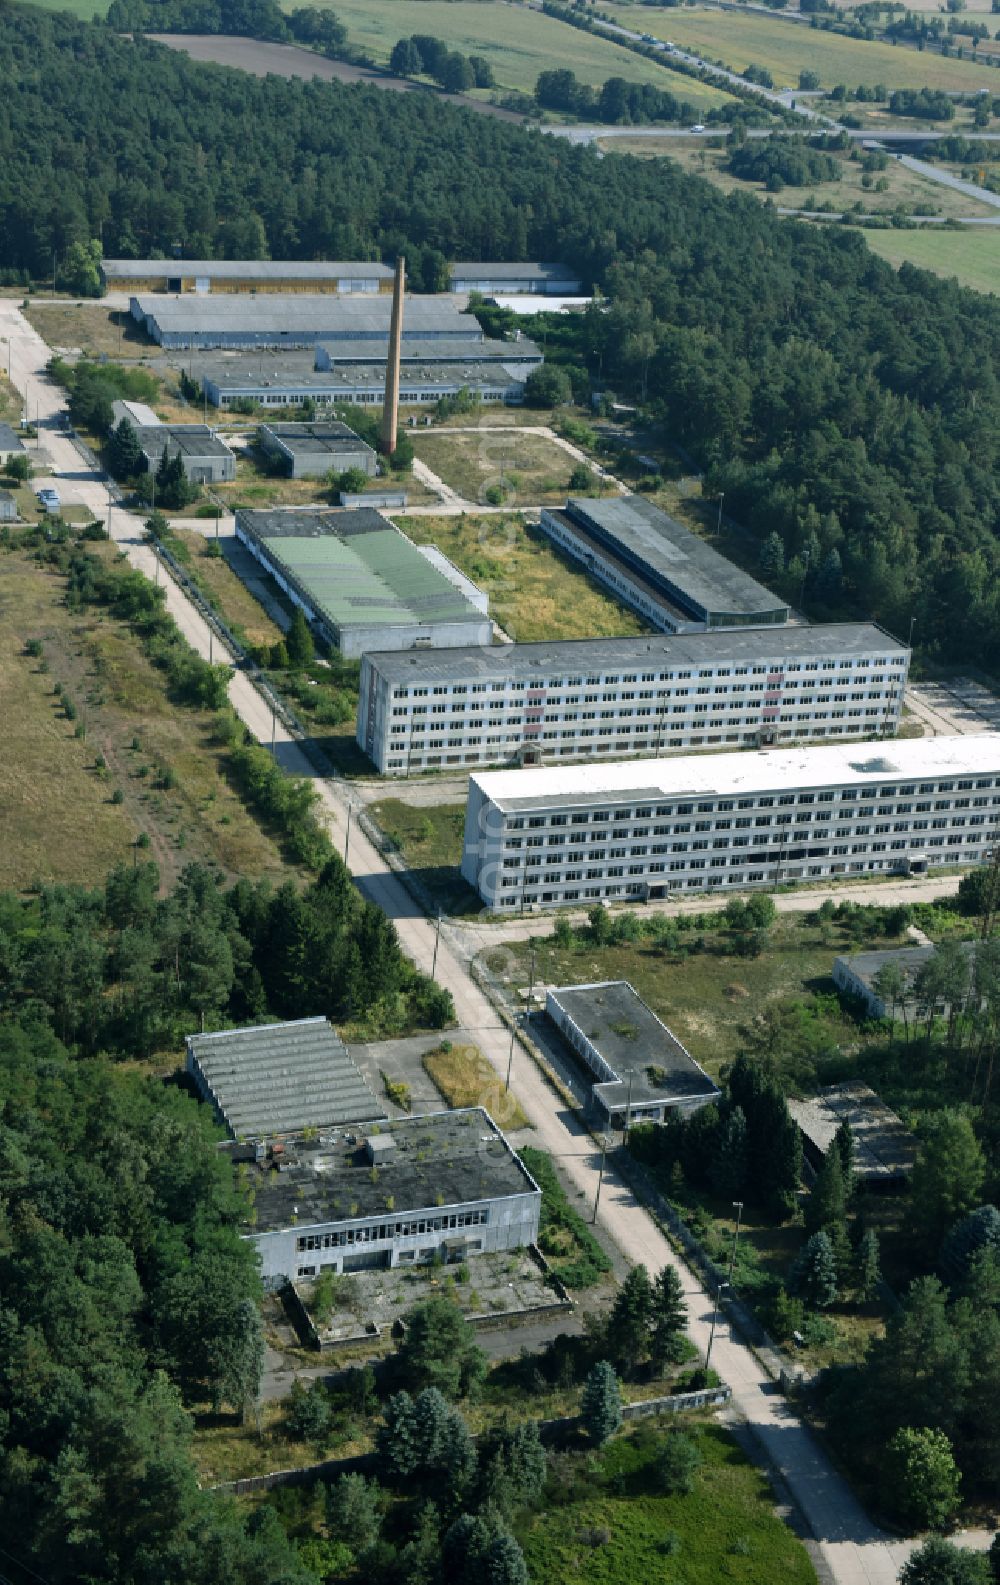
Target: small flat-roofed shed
{"points": [[884, 1150]]}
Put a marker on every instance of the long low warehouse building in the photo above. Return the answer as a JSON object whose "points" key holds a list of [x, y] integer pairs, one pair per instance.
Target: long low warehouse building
{"points": [[634, 830], [205, 276], [492, 277], [343, 354], [607, 698], [657, 566], [363, 584], [298, 321], [288, 380]]}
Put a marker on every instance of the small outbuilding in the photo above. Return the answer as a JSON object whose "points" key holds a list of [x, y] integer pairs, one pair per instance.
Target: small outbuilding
{"points": [[858, 976], [206, 459], [8, 507], [640, 1072], [312, 450], [884, 1149], [11, 445]]}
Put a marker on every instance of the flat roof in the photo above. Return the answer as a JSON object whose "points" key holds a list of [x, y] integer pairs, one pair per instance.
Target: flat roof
{"points": [[329, 436], [193, 440], [317, 315], [648, 1060], [277, 1078], [672, 552], [358, 568], [496, 271], [274, 370], [444, 1159], [759, 770], [883, 1148], [245, 269], [414, 350], [712, 650]]}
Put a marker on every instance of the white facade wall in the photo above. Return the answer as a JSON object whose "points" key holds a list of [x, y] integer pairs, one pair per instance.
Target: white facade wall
{"points": [[853, 985], [667, 619], [394, 1239], [636, 844], [613, 712]]}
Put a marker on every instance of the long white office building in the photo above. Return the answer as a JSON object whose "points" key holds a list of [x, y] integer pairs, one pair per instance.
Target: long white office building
{"points": [[524, 704], [581, 834]]}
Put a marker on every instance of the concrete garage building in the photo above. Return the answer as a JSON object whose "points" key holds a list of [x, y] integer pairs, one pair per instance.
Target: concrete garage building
{"points": [[297, 321], [441, 1187], [310, 451], [205, 458], [645, 828], [602, 698], [492, 278], [362, 583], [640, 1071], [884, 1149], [274, 1079], [243, 275], [654, 564]]}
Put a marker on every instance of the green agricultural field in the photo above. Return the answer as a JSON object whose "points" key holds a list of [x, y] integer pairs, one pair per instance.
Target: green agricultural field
{"points": [[906, 190], [84, 9], [971, 256], [518, 42], [786, 48], [603, 1521]]}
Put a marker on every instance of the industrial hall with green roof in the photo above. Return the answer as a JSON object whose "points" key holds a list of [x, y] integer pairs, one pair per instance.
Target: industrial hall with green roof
{"points": [[362, 584]]}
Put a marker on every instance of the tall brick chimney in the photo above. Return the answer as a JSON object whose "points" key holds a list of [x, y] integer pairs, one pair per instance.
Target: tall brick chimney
{"points": [[390, 409]]}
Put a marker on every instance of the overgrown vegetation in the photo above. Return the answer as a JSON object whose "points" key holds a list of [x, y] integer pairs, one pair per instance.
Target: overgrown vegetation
{"points": [[564, 1237]]}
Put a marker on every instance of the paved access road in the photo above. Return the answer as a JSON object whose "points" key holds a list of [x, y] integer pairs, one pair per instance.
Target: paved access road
{"points": [[851, 1549]]}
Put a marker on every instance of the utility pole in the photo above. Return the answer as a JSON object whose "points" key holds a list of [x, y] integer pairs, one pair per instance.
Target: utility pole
{"points": [[718, 526], [347, 839], [738, 1207], [211, 636], [628, 1111], [274, 727], [600, 1177], [531, 984], [510, 1058], [437, 939]]}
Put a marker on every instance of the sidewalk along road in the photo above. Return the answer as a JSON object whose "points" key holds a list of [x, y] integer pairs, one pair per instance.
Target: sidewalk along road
{"points": [[850, 1549]]}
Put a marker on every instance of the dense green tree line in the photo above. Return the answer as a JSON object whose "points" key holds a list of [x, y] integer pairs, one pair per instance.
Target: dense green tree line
{"points": [[127, 971], [617, 102], [125, 1294]]}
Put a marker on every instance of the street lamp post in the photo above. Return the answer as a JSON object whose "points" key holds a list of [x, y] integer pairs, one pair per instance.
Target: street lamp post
{"points": [[347, 839], [437, 943], [718, 526], [600, 1176], [715, 1317]]}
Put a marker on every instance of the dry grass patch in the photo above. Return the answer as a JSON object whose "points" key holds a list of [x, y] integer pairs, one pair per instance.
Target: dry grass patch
{"points": [[58, 821], [527, 469], [93, 329], [535, 592], [465, 1078], [230, 593]]}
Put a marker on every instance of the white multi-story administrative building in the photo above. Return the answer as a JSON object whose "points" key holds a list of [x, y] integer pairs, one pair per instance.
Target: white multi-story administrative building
{"points": [[441, 1187], [606, 698], [642, 828], [657, 566]]}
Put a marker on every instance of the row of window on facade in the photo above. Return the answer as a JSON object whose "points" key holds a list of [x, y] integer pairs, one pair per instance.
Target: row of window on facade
{"points": [[384, 1232], [549, 685]]}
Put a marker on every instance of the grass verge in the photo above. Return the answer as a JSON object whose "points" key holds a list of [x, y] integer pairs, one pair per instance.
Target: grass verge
{"points": [[465, 1078], [564, 1238], [430, 840]]}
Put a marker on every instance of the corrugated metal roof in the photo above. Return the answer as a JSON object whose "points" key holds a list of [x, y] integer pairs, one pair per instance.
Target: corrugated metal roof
{"points": [[244, 269], [320, 315], [192, 440], [883, 1148], [357, 568], [277, 1078], [495, 271]]}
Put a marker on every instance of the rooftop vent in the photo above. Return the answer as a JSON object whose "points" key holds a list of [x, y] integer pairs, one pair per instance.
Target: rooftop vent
{"points": [[876, 767]]}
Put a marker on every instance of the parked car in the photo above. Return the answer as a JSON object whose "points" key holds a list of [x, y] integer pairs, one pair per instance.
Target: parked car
{"points": [[48, 499]]}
